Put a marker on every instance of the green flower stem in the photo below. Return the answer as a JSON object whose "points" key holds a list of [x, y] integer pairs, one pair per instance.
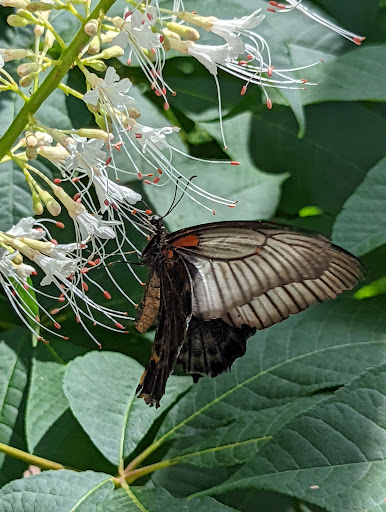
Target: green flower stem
{"points": [[50, 83], [30, 459], [69, 90]]}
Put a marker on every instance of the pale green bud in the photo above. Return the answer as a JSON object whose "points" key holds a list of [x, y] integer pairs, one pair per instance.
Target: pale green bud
{"points": [[91, 27], [51, 204], [188, 33], [37, 205], [94, 46], [14, 20], [98, 65], [113, 51]]}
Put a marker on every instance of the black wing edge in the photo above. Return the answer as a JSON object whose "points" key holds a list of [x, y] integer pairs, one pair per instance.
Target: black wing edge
{"points": [[211, 347], [174, 314]]}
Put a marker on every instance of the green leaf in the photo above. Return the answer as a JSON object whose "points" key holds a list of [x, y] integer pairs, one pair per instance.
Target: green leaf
{"points": [[15, 195], [101, 390], [350, 77], [324, 347], [361, 225], [333, 455], [328, 163], [241, 439], [46, 400], [257, 193], [63, 490], [135, 499], [14, 367]]}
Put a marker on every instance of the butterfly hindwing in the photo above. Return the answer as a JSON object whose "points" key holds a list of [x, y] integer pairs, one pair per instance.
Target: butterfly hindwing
{"points": [[211, 347]]}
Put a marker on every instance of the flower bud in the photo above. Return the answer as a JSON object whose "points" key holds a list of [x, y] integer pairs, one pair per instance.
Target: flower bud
{"points": [[49, 40], [195, 19], [18, 259], [113, 51], [40, 6], [91, 27], [43, 139], [31, 152], [27, 68], [94, 46], [39, 30], [182, 30], [37, 205], [17, 4], [92, 133], [14, 20], [54, 154], [118, 22], [26, 81], [96, 64], [108, 36], [31, 141], [16, 54], [51, 204], [179, 46], [26, 15]]}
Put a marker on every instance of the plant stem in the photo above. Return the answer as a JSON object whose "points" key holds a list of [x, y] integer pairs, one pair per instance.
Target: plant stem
{"points": [[30, 459], [51, 82], [137, 473]]}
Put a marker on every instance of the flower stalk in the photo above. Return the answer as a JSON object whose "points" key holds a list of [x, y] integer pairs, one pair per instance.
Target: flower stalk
{"points": [[50, 83]]}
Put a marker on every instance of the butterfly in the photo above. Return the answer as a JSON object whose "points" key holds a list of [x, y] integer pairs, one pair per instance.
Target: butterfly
{"points": [[212, 286]]}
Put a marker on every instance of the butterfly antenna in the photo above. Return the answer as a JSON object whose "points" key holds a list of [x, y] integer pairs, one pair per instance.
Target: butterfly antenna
{"points": [[174, 204]]}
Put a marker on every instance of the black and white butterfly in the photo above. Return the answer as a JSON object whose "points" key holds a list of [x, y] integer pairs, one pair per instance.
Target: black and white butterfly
{"points": [[212, 286]]}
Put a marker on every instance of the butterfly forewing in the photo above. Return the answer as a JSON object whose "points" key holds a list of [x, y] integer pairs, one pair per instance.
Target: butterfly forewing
{"points": [[271, 259], [215, 284]]}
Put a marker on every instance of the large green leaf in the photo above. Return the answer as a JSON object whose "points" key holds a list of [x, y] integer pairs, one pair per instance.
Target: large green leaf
{"points": [[101, 390], [14, 367], [322, 348], [135, 499], [333, 455], [329, 162], [350, 77], [63, 490], [361, 225], [46, 400]]}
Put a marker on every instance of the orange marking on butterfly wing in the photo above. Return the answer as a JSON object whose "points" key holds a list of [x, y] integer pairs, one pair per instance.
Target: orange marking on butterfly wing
{"points": [[186, 241]]}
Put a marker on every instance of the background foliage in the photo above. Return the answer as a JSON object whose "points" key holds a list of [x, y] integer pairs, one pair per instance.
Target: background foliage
{"points": [[298, 424]]}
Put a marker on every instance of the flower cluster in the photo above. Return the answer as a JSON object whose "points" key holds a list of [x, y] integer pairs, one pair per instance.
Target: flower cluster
{"points": [[102, 210]]}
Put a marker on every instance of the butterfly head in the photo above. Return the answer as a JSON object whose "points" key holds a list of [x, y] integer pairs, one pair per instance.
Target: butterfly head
{"points": [[152, 251]]}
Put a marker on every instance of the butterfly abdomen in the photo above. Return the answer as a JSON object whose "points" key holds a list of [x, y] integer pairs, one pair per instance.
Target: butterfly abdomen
{"points": [[149, 307]]}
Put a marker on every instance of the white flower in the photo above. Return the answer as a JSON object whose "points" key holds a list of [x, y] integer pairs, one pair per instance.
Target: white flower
{"points": [[85, 154], [146, 135], [230, 30], [57, 265], [8, 268], [92, 226], [112, 90], [109, 192], [24, 228], [136, 29], [1, 62], [212, 56]]}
